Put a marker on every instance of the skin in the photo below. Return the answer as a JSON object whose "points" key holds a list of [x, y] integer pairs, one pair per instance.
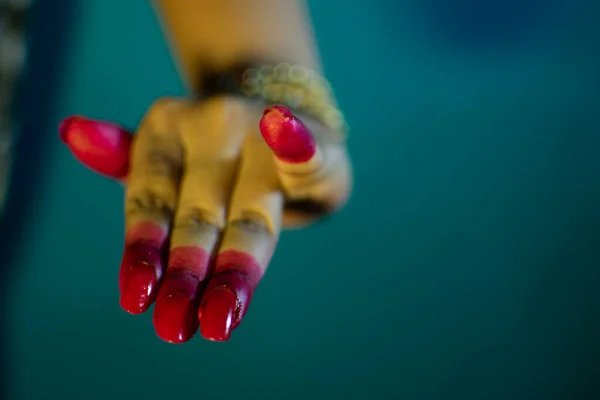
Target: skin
{"points": [[209, 185]]}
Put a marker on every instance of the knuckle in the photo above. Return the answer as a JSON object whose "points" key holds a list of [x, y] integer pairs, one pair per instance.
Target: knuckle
{"points": [[163, 110], [222, 107], [196, 218], [252, 221], [163, 163], [165, 104], [146, 201]]}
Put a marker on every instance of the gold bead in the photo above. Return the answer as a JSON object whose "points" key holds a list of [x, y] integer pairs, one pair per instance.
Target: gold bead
{"points": [[250, 88], [252, 74], [281, 71], [298, 74], [298, 88], [273, 92], [267, 79], [265, 71], [293, 97], [333, 117], [315, 106], [317, 89]]}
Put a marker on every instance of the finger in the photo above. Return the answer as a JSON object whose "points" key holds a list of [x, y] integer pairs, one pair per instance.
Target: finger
{"points": [[149, 203], [316, 177], [101, 146], [252, 231]]}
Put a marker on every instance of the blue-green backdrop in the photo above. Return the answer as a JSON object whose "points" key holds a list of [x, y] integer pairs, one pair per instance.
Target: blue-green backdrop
{"points": [[465, 267]]}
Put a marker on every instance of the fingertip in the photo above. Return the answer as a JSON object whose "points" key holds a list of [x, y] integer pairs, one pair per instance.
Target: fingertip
{"points": [[139, 273], [226, 300], [174, 318], [64, 127], [286, 135], [101, 146], [138, 286], [284, 111], [217, 313]]}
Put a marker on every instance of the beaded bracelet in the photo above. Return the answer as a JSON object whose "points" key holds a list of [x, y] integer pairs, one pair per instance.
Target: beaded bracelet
{"points": [[294, 86]]}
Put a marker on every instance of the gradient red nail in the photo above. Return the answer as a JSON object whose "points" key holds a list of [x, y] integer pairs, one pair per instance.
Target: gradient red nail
{"points": [[141, 267], [286, 135], [101, 146], [175, 312], [228, 294]]}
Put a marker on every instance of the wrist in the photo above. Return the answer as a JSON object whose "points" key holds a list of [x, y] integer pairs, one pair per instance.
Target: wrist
{"points": [[296, 87], [216, 35]]}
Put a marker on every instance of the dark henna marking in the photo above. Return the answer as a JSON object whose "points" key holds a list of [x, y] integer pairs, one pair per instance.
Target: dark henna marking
{"points": [[308, 207]]}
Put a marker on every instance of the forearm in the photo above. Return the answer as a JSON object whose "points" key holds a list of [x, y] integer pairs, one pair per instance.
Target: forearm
{"points": [[222, 32]]}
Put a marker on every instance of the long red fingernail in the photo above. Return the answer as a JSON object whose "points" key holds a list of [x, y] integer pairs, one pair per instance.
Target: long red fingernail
{"points": [[286, 135], [239, 273], [139, 253], [138, 284], [217, 313], [101, 146], [175, 312], [141, 268]]}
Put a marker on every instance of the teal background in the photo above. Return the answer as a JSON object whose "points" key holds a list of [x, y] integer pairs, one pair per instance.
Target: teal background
{"points": [[465, 267]]}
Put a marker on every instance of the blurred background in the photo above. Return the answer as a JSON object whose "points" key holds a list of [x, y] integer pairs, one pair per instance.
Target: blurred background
{"points": [[465, 267]]}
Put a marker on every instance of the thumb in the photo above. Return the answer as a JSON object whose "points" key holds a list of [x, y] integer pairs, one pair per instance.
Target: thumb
{"points": [[101, 146]]}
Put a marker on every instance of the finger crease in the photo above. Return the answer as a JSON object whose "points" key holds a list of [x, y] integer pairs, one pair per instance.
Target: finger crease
{"points": [[252, 221], [198, 219]]}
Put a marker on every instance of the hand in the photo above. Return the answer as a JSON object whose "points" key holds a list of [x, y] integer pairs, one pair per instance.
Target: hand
{"points": [[209, 194]]}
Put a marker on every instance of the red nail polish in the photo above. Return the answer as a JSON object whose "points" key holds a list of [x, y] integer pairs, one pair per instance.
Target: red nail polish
{"points": [[138, 285], [138, 254], [175, 310], [147, 233], [217, 313], [228, 293], [240, 272], [283, 110], [286, 135], [101, 146], [64, 126], [140, 271], [224, 304]]}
